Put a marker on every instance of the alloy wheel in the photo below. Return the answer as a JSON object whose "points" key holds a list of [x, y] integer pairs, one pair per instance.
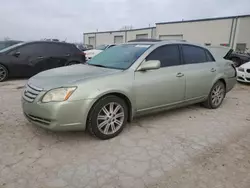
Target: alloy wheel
{"points": [[218, 94], [110, 118], [3, 73]]}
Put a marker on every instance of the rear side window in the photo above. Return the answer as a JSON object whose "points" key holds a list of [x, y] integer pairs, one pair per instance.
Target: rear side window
{"points": [[193, 54], [209, 56], [31, 49], [168, 55], [58, 49]]}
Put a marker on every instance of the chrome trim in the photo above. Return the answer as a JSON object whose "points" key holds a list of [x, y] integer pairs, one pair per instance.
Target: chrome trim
{"points": [[31, 92]]}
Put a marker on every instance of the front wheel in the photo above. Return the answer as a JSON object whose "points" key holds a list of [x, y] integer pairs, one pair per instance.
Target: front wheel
{"points": [[216, 96], [107, 117]]}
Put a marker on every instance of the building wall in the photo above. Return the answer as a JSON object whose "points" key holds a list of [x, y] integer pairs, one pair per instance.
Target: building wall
{"points": [[243, 32], [215, 32], [232, 31], [131, 35], [108, 37]]}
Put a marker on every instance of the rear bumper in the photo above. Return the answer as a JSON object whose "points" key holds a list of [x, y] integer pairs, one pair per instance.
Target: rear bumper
{"points": [[58, 116]]}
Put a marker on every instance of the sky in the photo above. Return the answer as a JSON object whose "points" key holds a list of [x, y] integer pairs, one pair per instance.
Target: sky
{"points": [[69, 19]]}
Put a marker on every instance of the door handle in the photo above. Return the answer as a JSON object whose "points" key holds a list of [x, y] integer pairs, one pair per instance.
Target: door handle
{"points": [[67, 55], [40, 57], [213, 70], [179, 74]]}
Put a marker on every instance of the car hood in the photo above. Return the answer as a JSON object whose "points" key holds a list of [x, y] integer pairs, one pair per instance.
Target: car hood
{"points": [[69, 75], [246, 65]]}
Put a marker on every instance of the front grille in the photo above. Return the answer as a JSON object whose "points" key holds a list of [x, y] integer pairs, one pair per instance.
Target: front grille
{"points": [[248, 79], [31, 93], [248, 70], [38, 119]]}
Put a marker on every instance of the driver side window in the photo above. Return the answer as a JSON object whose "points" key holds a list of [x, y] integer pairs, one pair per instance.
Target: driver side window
{"points": [[168, 55]]}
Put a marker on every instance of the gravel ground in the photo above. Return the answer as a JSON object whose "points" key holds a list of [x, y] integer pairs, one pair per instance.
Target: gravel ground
{"points": [[189, 147]]}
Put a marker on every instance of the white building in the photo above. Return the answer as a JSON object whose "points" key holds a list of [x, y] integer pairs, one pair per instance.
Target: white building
{"points": [[229, 31]]}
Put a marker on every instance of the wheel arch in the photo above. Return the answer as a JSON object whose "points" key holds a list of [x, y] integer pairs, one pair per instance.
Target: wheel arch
{"points": [[222, 79], [121, 95]]}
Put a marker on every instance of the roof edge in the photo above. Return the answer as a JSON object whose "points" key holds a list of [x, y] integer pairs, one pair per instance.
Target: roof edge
{"points": [[204, 19], [116, 31]]}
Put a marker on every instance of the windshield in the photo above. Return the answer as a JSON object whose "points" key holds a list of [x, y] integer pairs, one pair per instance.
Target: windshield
{"points": [[119, 57], [11, 47], [101, 47]]}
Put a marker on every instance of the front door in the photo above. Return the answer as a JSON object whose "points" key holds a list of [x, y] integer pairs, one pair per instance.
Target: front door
{"points": [[24, 59], [164, 86], [200, 71]]}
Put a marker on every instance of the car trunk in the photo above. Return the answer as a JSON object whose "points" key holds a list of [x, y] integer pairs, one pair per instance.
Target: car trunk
{"points": [[220, 52]]}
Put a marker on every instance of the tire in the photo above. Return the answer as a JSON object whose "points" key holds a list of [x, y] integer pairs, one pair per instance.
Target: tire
{"points": [[106, 125], [4, 73], [216, 96], [237, 61]]}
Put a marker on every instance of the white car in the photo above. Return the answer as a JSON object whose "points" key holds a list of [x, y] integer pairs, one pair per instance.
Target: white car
{"points": [[91, 53], [243, 73]]}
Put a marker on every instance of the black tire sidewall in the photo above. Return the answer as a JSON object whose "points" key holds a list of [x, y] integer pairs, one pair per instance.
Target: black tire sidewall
{"points": [[7, 73], [210, 95], [92, 119]]}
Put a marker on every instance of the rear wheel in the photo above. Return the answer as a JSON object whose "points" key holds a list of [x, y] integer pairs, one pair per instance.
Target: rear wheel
{"points": [[107, 117], [216, 96], [3, 73]]}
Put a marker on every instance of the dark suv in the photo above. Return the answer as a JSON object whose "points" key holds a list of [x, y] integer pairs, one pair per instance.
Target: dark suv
{"points": [[28, 59]]}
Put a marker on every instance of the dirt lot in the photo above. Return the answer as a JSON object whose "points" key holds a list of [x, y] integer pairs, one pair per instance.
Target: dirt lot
{"points": [[189, 147]]}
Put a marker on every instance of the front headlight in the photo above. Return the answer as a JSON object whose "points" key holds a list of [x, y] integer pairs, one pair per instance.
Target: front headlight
{"points": [[58, 94], [241, 69]]}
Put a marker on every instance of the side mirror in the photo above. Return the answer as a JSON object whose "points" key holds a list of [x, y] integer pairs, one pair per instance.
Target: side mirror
{"points": [[150, 65], [16, 54]]}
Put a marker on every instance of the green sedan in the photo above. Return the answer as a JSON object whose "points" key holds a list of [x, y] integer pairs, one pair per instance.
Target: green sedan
{"points": [[126, 81]]}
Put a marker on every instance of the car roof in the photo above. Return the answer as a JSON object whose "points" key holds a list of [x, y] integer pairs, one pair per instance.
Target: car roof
{"points": [[48, 42], [163, 42]]}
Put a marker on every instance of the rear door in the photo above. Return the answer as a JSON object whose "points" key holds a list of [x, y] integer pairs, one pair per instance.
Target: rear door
{"points": [[58, 55], [200, 71]]}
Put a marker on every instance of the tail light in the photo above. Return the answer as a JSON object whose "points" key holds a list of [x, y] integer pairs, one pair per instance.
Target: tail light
{"points": [[235, 74]]}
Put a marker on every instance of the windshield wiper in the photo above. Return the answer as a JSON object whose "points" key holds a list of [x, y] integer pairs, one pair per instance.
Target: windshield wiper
{"points": [[98, 65]]}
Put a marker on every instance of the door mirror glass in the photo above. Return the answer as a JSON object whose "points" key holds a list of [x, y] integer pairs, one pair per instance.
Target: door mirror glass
{"points": [[150, 65], [16, 54]]}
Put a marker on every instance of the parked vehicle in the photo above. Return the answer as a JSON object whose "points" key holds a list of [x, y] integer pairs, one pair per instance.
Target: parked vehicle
{"points": [[28, 59], [124, 82], [7, 43], [91, 53], [243, 73], [239, 58], [84, 47]]}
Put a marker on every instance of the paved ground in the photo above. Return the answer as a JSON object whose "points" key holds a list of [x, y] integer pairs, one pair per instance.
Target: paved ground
{"points": [[189, 147]]}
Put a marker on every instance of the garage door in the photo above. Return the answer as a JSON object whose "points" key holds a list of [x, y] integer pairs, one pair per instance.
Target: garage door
{"points": [[118, 39], [171, 37], [142, 36], [92, 41]]}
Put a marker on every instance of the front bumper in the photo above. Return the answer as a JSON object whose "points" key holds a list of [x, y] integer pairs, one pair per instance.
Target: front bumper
{"points": [[58, 116], [243, 76]]}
